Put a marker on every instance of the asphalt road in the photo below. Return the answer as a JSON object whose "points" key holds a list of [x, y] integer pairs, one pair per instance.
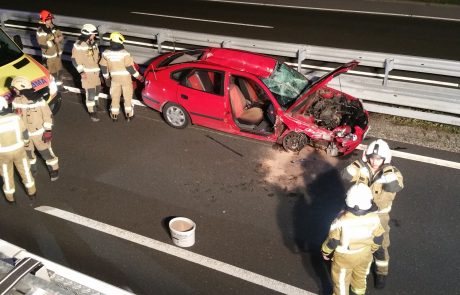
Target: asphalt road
{"points": [[379, 33], [250, 210]]}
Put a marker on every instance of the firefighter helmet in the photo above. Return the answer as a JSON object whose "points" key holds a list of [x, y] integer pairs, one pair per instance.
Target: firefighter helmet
{"points": [[45, 15], [21, 83], [359, 195], [117, 37], [378, 148], [89, 29], [3, 103]]}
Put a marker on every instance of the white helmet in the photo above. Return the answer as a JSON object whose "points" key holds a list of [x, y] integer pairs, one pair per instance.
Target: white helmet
{"points": [[3, 103], [379, 148], [359, 195], [21, 83], [89, 29]]}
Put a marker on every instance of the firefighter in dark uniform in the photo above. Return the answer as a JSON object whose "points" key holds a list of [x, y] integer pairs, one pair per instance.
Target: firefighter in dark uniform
{"points": [[354, 235], [375, 170]]}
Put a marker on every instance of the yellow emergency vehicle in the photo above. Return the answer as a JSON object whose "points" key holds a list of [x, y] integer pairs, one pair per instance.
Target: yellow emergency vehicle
{"points": [[14, 62]]}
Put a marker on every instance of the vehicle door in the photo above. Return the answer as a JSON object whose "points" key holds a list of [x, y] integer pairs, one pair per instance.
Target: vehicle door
{"points": [[256, 95], [201, 93]]}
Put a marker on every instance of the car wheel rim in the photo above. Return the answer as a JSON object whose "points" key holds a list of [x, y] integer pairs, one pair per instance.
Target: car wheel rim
{"points": [[175, 116]]}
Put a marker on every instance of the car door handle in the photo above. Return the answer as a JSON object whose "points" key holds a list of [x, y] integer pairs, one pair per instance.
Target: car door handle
{"points": [[183, 96]]}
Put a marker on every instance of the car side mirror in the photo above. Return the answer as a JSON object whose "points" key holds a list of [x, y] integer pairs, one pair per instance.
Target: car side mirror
{"points": [[17, 39]]}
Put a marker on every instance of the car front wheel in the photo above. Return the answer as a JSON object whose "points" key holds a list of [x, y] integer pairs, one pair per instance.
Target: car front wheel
{"points": [[176, 116]]}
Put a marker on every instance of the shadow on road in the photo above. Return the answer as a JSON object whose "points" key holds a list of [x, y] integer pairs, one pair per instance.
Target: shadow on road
{"points": [[312, 209]]}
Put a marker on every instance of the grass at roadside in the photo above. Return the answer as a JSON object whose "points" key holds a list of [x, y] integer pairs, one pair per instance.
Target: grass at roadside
{"points": [[426, 125]]}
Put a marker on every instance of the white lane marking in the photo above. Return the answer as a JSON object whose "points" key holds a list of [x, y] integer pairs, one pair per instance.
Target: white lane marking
{"points": [[419, 158], [203, 20], [174, 251], [338, 10]]}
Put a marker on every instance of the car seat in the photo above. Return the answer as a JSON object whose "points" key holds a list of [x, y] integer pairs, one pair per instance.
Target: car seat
{"points": [[252, 115], [248, 90]]}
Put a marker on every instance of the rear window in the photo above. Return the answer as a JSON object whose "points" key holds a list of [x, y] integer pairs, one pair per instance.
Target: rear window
{"points": [[182, 57], [9, 51]]}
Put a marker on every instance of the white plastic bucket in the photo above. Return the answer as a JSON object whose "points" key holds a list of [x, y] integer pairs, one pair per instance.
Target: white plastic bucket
{"points": [[182, 231]]}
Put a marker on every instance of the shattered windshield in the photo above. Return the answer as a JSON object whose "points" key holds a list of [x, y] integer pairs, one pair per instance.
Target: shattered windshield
{"points": [[8, 50], [286, 84]]}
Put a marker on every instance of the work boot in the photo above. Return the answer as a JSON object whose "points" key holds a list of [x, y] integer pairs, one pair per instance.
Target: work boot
{"points": [[94, 117], [54, 175], [380, 281]]}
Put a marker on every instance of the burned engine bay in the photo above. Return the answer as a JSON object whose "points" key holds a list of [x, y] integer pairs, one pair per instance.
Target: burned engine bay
{"points": [[331, 109]]}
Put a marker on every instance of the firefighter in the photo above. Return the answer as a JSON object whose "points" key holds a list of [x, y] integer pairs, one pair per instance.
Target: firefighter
{"points": [[117, 67], [375, 170], [50, 39], [36, 114], [85, 58], [354, 235], [13, 137]]}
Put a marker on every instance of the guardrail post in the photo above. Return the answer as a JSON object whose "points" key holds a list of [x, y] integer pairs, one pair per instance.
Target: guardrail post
{"points": [[389, 65], [301, 56], [102, 30], [160, 39], [3, 19], [226, 44]]}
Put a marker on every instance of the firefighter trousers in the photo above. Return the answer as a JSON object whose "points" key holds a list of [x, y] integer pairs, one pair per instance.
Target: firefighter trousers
{"points": [[54, 65], [46, 152], [19, 159], [382, 263], [116, 90], [351, 270], [92, 98]]}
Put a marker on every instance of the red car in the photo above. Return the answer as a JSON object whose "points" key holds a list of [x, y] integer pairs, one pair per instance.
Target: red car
{"points": [[256, 96]]}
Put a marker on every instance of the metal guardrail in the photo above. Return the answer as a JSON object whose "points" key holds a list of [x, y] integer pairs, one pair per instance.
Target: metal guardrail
{"points": [[52, 278], [380, 94]]}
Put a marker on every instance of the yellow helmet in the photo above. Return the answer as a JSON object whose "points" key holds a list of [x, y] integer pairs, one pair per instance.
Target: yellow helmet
{"points": [[21, 83], [117, 37]]}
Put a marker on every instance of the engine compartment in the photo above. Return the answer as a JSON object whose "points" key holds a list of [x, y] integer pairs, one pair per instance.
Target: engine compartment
{"points": [[331, 109]]}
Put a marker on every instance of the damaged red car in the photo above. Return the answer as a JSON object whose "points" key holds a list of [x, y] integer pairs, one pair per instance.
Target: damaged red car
{"points": [[255, 96]]}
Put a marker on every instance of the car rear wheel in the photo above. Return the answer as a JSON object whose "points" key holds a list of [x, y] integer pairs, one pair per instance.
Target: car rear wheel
{"points": [[176, 116]]}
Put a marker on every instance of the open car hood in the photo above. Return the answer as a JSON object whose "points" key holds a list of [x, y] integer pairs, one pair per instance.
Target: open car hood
{"points": [[323, 81]]}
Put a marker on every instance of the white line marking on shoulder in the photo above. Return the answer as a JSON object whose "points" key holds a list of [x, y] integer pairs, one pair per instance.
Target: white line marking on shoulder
{"points": [[175, 251]]}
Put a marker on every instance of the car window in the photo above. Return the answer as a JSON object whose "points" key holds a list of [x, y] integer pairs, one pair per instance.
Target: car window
{"points": [[182, 57], [205, 80], [286, 84], [250, 89], [8, 49], [179, 75]]}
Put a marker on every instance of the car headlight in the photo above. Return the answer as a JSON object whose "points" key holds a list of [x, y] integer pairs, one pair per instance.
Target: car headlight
{"points": [[52, 86]]}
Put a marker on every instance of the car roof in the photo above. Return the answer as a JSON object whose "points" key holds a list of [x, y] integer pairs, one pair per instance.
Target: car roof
{"points": [[257, 64]]}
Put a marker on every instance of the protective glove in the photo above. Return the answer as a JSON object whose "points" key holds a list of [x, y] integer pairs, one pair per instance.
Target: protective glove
{"points": [[140, 79], [47, 136]]}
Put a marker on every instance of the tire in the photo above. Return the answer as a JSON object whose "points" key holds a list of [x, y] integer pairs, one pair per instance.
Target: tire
{"points": [[294, 141], [176, 116], [55, 105]]}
